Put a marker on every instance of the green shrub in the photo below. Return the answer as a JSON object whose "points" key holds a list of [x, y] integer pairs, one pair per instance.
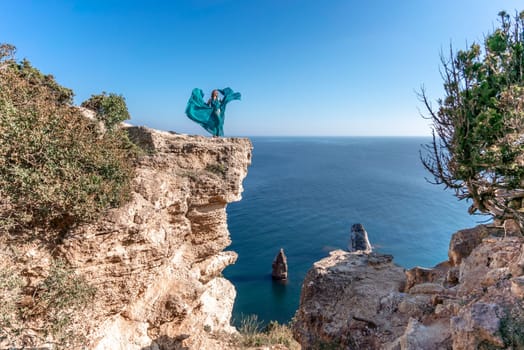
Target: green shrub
{"points": [[56, 168], [218, 169], [11, 284], [478, 147], [62, 289], [58, 298], [54, 306], [512, 327], [110, 108]]}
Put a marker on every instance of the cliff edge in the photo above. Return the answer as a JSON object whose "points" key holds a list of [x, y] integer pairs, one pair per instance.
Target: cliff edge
{"points": [[155, 263], [474, 300]]}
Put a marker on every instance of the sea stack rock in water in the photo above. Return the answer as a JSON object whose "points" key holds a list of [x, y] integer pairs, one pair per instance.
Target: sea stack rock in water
{"points": [[359, 239], [280, 266]]}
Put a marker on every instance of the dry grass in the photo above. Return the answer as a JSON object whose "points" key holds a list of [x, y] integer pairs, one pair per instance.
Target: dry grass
{"points": [[273, 336], [44, 307]]}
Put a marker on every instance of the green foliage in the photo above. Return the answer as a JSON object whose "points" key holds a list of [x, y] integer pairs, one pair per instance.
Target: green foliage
{"points": [[55, 92], [478, 128], [7, 52], [218, 169], [54, 306], [56, 168], [60, 296], [62, 289], [512, 327], [111, 108], [11, 283]]}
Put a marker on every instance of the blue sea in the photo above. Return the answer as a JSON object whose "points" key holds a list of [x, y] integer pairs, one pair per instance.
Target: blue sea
{"points": [[303, 195]]}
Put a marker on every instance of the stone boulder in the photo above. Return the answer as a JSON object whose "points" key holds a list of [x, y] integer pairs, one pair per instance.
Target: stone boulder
{"points": [[280, 266], [348, 301], [491, 262], [419, 275], [517, 287], [477, 324], [359, 239], [512, 228], [418, 336], [464, 241]]}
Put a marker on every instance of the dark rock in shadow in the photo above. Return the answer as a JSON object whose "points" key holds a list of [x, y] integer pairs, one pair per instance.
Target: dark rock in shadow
{"points": [[279, 272]]}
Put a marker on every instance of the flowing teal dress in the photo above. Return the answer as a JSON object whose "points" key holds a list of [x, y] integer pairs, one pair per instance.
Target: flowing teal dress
{"points": [[210, 116]]}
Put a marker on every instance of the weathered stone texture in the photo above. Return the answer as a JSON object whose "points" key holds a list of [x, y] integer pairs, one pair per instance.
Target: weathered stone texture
{"points": [[157, 261], [472, 301]]}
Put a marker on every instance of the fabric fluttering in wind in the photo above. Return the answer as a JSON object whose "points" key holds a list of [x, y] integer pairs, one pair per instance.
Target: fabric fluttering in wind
{"points": [[210, 115]]}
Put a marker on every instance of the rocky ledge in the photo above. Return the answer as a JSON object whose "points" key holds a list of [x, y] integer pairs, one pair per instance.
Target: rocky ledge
{"points": [[354, 300], [157, 261]]}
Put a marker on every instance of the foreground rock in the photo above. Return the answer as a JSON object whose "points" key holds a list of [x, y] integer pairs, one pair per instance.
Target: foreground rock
{"points": [[471, 301], [348, 300], [156, 263]]}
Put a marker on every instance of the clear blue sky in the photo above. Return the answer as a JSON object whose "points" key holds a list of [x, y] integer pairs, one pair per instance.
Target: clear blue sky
{"points": [[334, 67]]}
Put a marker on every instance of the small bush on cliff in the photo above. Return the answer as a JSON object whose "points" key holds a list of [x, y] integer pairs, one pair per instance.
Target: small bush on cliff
{"points": [[60, 296], [55, 305], [512, 327], [110, 108], [478, 127], [11, 284], [217, 168], [56, 168]]}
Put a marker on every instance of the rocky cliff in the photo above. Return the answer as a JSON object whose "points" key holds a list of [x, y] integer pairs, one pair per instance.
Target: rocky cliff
{"points": [[156, 262], [354, 300]]}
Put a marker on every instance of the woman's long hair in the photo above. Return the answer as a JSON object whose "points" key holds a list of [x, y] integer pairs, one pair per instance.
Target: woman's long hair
{"points": [[211, 98]]}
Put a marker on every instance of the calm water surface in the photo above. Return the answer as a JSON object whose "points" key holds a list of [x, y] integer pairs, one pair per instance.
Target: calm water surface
{"points": [[303, 195]]}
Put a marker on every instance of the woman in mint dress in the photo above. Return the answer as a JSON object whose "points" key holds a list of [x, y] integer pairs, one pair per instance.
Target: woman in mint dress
{"points": [[210, 115]]}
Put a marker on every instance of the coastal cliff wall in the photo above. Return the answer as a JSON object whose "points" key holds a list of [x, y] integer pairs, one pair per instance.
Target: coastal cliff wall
{"points": [[155, 263], [353, 300]]}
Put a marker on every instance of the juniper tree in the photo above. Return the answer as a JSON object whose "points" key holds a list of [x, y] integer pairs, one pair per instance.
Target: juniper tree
{"points": [[478, 126]]}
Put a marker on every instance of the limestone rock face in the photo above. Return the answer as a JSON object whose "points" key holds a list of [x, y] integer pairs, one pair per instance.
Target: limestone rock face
{"points": [[479, 323], [472, 301], [490, 264], [418, 336], [418, 275], [347, 302], [464, 241], [156, 262]]}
